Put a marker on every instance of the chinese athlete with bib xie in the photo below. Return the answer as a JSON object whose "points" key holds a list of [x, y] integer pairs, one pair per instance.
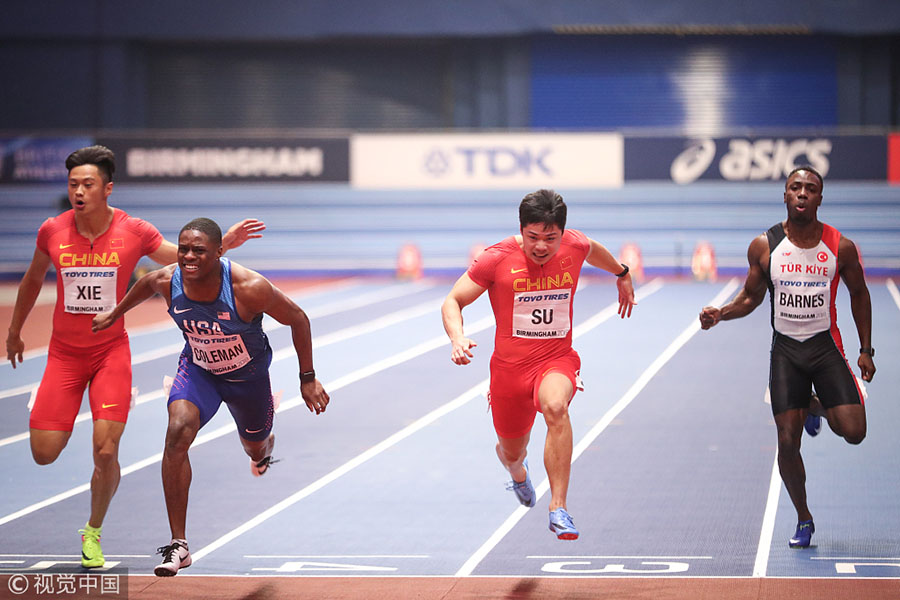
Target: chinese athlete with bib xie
{"points": [[94, 248]]}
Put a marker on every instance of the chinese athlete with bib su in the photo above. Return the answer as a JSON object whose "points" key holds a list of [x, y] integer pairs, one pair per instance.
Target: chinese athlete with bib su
{"points": [[531, 280], [219, 307], [94, 248], [800, 261]]}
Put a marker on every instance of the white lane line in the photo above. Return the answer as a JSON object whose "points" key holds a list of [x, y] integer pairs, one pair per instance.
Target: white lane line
{"points": [[466, 569], [74, 555], [325, 340], [476, 391], [85, 416], [332, 386], [372, 297], [768, 524], [22, 389], [336, 556], [270, 325], [394, 318], [594, 556], [832, 558], [895, 294], [165, 323]]}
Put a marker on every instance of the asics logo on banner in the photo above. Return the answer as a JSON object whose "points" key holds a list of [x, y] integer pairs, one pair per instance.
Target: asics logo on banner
{"points": [[693, 162], [493, 161], [751, 160]]}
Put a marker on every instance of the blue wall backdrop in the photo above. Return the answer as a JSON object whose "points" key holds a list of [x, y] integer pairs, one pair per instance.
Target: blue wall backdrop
{"points": [[309, 68], [102, 64], [671, 82]]}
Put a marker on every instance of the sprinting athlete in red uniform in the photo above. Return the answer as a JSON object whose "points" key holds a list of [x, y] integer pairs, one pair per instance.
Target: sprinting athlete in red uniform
{"points": [[91, 275], [531, 280], [799, 261], [94, 248]]}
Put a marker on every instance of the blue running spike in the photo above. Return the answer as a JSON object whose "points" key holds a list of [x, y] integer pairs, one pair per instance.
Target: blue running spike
{"points": [[802, 537], [561, 524], [524, 489]]}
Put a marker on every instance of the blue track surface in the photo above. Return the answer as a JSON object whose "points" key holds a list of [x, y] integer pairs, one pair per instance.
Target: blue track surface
{"points": [[675, 448]]}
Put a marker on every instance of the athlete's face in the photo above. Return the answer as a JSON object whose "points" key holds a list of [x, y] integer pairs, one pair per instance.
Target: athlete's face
{"points": [[540, 242], [198, 258], [87, 190], [802, 195]]}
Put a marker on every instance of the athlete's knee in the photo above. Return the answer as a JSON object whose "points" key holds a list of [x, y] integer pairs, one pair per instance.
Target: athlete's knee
{"points": [[106, 453], [46, 446], [556, 411], [855, 435], [512, 455], [788, 442], [512, 450], [180, 435], [44, 455], [849, 422]]}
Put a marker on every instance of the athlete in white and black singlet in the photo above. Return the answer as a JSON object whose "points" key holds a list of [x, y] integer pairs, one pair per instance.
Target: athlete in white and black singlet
{"points": [[800, 261]]}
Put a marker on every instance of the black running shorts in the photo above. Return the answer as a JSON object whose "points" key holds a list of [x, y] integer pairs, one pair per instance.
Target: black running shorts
{"points": [[797, 367]]}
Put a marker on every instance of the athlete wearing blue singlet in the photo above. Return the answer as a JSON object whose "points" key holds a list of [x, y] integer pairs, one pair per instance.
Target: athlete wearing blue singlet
{"points": [[800, 261], [225, 359], [219, 307]]}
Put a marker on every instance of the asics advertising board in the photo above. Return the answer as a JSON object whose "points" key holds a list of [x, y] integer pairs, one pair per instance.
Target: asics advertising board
{"points": [[488, 161], [686, 160]]}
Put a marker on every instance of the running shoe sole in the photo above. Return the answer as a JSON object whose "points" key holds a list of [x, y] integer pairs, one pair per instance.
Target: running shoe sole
{"points": [[563, 527]]}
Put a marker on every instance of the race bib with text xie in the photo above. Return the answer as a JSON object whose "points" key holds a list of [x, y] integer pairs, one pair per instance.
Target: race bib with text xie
{"points": [[89, 290]]}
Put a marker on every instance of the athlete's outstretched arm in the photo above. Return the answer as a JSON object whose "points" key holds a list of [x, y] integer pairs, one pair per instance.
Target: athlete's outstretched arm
{"points": [[464, 292], [240, 232], [29, 289], [860, 302], [258, 295], [602, 258], [751, 295], [237, 234], [154, 282]]}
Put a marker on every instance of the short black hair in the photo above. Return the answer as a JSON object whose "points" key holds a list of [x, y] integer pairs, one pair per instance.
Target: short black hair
{"points": [[809, 169], [207, 226], [543, 206], [100, 156]]}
